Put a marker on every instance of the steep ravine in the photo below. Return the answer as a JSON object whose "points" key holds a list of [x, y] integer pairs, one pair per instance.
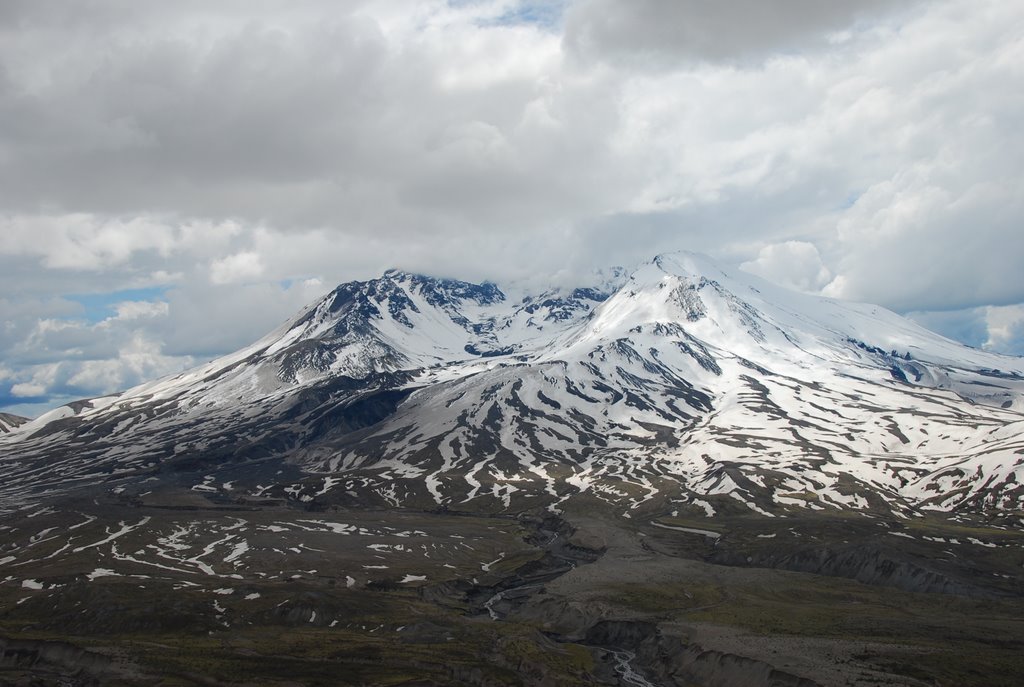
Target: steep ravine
{"points": [[667, 660], [629, 652]]}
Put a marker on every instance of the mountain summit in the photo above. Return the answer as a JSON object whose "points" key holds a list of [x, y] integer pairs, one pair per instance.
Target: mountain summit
{"points": [[677, 475], [682, 385]]}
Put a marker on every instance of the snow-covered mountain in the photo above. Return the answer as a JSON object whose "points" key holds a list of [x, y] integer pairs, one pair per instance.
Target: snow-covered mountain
{"points": [[9, 422], [680, 385]]}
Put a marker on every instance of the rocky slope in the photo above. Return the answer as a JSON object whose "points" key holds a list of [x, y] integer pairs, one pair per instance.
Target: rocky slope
{"points": [[9, 422], [679, 386]]}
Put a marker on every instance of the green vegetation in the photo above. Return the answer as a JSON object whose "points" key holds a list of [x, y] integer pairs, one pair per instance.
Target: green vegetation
{"points": [[399, 598]]}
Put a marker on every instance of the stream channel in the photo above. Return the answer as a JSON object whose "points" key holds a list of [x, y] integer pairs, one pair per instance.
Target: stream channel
{"points": [[560, 557]]}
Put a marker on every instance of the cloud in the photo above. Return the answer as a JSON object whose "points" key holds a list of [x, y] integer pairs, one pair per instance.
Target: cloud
{"points": [[919, 242], [91, 373], [138, 360], [95, 243], [238, 267], [1005, 329], [306, 119], [207, 321], [994, 328], [221, 150], [134, 310], [43, 377], [651, 31], [81, 241], [794, 264], [447, 127], [968, 326], [28, 390]]}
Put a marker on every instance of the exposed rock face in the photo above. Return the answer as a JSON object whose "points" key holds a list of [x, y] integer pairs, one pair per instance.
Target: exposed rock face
{"points": [[694, 665], [669, 661], [60, 658], [679, 384], [9, 422], [870, 564]]}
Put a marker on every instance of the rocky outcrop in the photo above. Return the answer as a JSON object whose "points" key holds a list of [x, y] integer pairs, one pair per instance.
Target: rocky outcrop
{"points": [[9, 422], [868, 564], [671, 661], [693, 665], [621, 634], [60, 658]]}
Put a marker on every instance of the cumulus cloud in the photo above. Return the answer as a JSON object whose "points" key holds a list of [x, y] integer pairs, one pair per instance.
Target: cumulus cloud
{"points": [[134, 310], [138, 359], [238, 267], [41, 380], [1005, 329], [230, 152], [86, 242], [72, 357], [794, 264], [29, 389]]}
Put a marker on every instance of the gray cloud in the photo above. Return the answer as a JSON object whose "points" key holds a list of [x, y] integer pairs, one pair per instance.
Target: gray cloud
{"points": [[223, 150], [299, 121], [656, 32], [995, 328]]}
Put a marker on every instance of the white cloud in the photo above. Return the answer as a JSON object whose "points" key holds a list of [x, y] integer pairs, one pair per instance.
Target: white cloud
{"points": [[793, 264], [218, 154], [43, 377], [82, 241], [239, 267], [134, 310], [995, 328], [138, 360], [1005, 329], [92, 242], [28, 390]]}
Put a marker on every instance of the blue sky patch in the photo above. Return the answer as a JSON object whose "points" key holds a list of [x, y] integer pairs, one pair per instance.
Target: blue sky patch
{"points": [[851, 200], [544, 14], [99, 306]]}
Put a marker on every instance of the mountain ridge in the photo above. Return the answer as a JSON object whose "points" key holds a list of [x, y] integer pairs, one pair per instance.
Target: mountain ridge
{"points": [[680, 385], [678, 475], [10, 422]]}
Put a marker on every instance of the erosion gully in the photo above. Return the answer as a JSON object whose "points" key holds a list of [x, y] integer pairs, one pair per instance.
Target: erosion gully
{"points": [[560, 557]]}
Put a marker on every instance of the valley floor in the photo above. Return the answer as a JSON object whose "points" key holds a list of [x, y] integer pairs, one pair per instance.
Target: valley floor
{"points": [[178, 590]]}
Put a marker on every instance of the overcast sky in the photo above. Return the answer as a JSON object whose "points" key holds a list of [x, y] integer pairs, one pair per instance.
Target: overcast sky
{"points": [[177, 178]]}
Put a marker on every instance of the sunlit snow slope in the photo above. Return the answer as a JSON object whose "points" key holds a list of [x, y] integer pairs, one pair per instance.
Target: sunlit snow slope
{"points": [[680, 384]]}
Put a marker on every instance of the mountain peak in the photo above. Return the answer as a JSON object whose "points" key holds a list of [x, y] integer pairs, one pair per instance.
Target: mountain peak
{"points": [[687, 264], [680, 374], [443, 289], [410, 430]]}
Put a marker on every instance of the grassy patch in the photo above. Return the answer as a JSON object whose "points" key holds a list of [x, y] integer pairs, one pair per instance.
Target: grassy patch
{"points": [[665, 598]]}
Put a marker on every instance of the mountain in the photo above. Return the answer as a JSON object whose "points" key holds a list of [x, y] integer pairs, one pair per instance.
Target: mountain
{"points": [[681, 385], [677, 475], [9, 422]]}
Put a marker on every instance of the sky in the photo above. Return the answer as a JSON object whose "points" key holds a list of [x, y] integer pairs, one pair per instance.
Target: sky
{"points": [[177, 179]]}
